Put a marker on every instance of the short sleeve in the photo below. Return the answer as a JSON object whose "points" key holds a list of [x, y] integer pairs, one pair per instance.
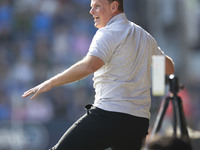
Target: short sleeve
{"points": [[156, 49], [102, 46]]}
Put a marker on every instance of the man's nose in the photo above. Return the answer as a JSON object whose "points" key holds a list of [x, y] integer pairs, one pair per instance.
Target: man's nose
{"points": [[91, 11]]}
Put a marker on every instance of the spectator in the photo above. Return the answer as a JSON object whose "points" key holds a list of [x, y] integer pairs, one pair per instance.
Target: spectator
{"points": [[168, 143]]}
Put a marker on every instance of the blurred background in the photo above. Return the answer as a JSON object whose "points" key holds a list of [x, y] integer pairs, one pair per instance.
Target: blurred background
{"points": [[40, 38]]}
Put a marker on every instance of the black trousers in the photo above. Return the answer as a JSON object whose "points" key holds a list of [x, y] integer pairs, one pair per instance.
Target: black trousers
{"points": [[99, 129]]}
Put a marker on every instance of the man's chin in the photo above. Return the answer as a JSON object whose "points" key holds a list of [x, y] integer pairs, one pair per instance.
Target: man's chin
{"points": [[98, 26]]}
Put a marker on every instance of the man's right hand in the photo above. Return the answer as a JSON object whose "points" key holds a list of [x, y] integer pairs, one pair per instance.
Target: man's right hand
{"points": [[41, 88]]}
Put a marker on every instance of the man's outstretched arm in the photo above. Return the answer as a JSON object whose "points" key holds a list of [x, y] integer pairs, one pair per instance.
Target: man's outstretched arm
{"points": [[76, 72]]}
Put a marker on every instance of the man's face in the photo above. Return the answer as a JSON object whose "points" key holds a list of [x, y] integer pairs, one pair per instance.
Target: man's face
{"points": [[102, 12]]}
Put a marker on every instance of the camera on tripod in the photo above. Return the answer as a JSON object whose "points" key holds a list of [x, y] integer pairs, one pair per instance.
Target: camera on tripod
{"points": [[174, 86], [159, 80]]}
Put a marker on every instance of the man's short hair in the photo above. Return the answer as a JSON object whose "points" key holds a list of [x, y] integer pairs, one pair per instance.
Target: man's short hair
{"points": [[121, 4]]}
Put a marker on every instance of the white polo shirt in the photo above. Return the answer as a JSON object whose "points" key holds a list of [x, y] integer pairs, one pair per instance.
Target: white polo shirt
{"points": [[123, 83]]}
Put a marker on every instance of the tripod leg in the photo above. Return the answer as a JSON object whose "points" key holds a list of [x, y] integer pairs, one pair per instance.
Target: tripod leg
{"points": [[175, 105], [183, 124], [182, 120], [160, 117]]}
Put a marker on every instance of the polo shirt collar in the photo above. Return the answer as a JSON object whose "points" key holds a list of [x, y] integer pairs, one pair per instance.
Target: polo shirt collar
{"points": [[118, 17]]}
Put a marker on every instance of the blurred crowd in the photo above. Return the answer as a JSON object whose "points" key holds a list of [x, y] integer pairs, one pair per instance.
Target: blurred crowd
{"points": [[40, 38]]}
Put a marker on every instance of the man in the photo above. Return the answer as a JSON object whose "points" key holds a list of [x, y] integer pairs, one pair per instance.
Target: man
{"points": [[120, 58]]}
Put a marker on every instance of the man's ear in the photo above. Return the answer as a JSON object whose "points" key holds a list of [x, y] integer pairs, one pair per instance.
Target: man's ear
{"points": [[114, 6]]}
